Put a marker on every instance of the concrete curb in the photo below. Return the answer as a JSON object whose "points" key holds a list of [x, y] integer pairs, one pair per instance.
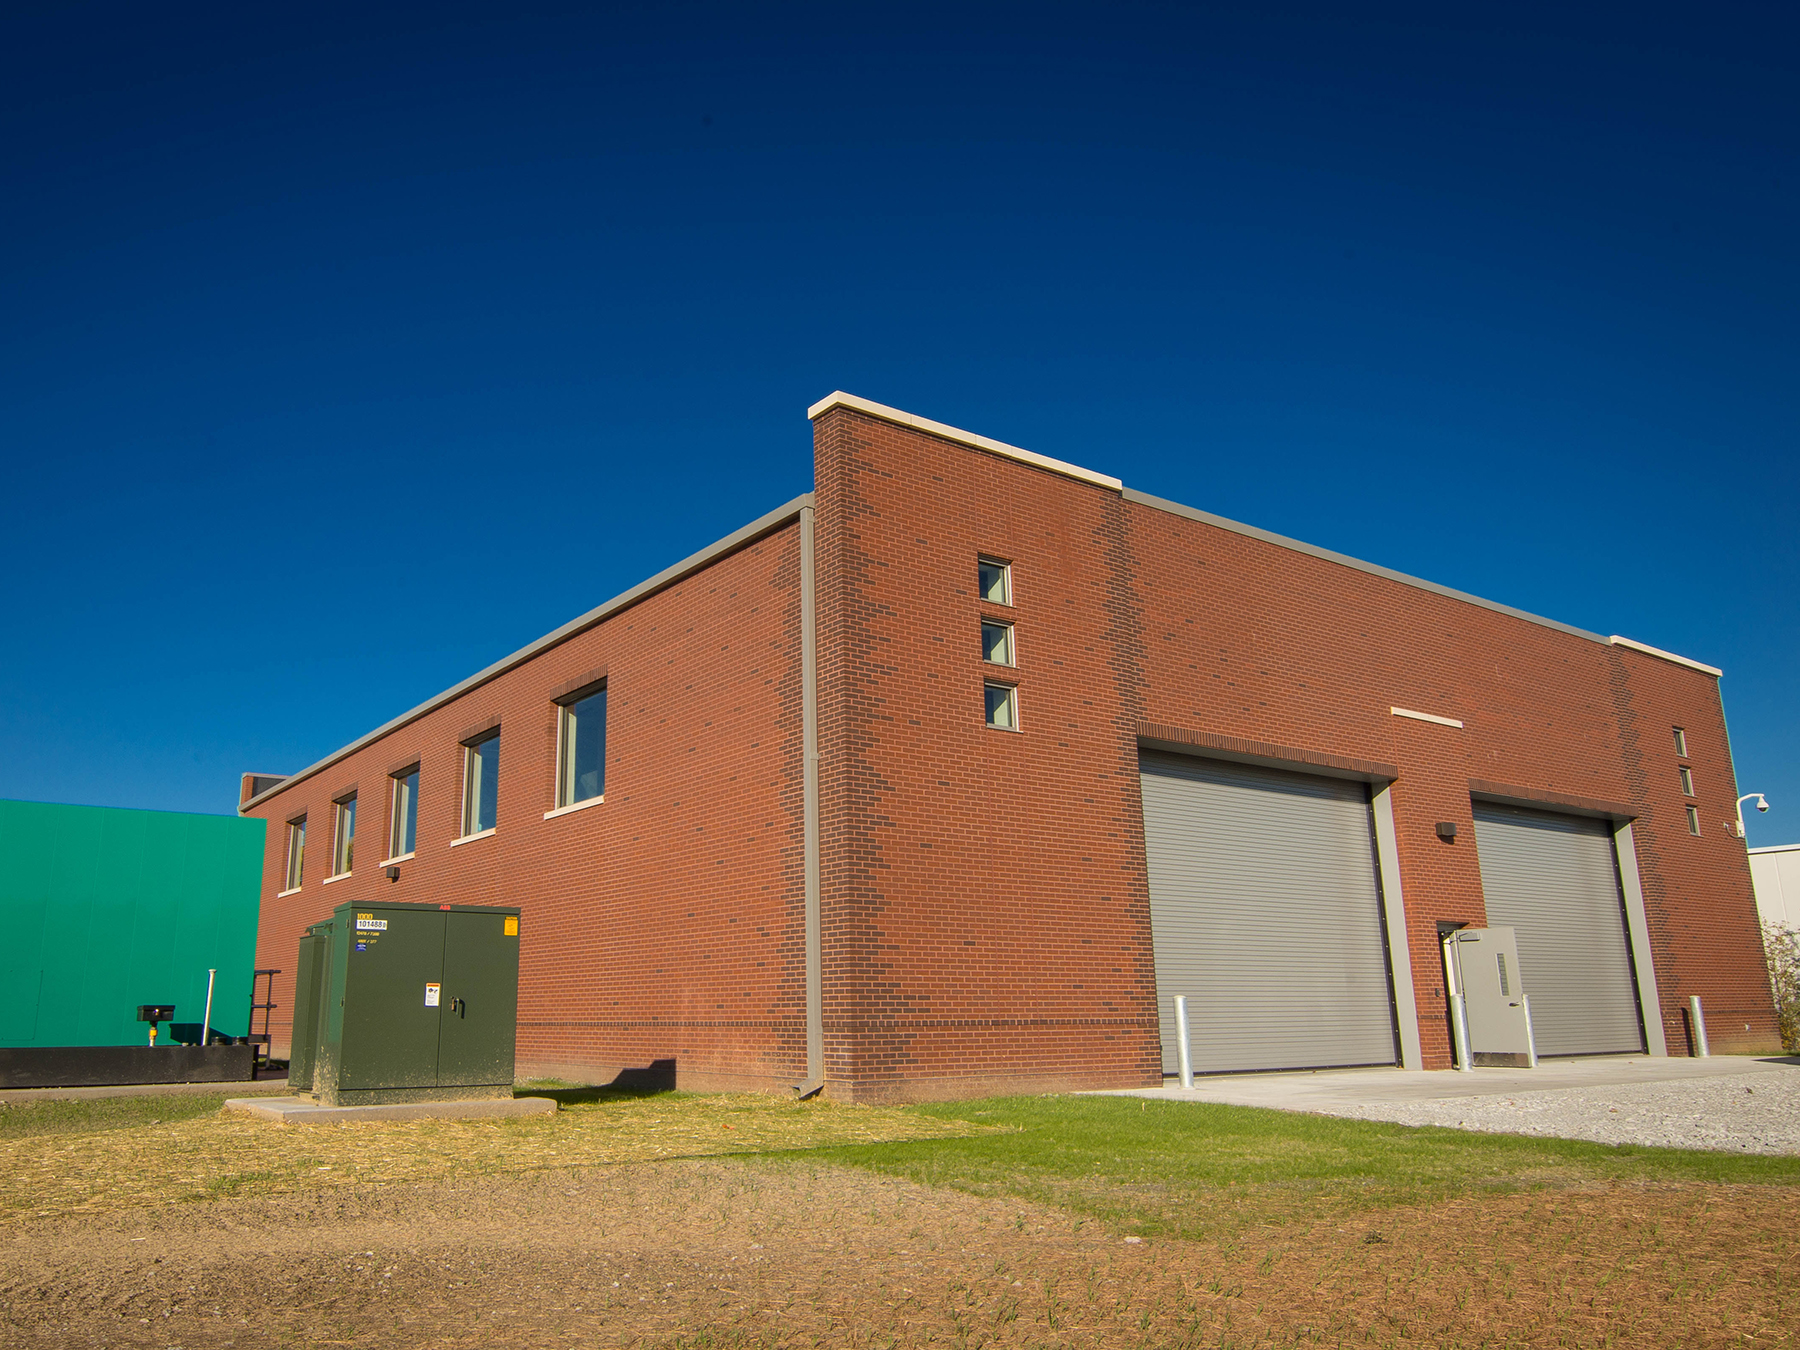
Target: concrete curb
{"points": [[20, 1096], [306, 1111]]}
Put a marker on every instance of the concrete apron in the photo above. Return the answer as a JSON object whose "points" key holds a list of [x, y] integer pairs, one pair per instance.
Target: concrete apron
{"points": [[1323, 1089], [308, 1110]]}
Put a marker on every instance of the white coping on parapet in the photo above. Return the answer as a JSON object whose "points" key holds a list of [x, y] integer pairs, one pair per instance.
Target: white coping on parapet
{"points": [[1345, 560], [1775, 848], [669, 576], [839, 399], [1648, 650]]}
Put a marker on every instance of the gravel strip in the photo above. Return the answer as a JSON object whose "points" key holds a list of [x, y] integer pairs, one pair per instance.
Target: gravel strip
{"points": [[1740, 1113]]}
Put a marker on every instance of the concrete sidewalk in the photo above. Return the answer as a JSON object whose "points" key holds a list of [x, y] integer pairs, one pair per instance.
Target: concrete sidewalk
{"points": [[1734, 1103], [1322, 1089]]}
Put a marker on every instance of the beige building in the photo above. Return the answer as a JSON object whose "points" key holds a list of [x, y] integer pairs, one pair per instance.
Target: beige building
{"points": [[1776, 873]]}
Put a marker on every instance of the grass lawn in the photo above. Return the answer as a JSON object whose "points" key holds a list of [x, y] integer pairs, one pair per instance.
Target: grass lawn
{"points": [[1203, 1170], [1080, 1222], [24, 1120]]}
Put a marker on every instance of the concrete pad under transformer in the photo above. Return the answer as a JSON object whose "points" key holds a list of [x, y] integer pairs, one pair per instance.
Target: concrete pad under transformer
{"points": [[307, 1111]]}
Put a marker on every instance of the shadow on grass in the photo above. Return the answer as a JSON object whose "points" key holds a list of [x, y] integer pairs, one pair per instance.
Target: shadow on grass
{"points": [[653, 1080]]}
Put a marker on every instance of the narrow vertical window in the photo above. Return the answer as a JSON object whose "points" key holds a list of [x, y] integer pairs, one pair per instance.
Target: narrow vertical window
{"points": [[1687, 781], [1693, 814], [581, 748], [994, 579], [1003, 707], [404, 830], [481, 781], [296, 853], [343, 841], [1681, 742], [997, 643]]}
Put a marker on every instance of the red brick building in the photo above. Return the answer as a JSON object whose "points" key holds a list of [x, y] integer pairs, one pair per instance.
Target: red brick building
{"points": [[944, 778]]}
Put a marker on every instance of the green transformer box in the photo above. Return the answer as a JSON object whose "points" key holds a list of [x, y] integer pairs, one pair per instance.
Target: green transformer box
{"points": [[406, 1003]]}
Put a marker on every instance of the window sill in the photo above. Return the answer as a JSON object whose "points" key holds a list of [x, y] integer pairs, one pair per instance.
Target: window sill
{"points": [[471, 838], [389, 862], [575, 806], [281, 895], [341, 876]]}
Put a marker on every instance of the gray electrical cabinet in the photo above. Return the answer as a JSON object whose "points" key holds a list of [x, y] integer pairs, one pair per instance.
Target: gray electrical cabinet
{"points": [[402, 1003]]}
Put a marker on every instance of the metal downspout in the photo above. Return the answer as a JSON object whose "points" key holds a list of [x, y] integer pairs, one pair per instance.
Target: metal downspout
{"points": [[809, 716]]}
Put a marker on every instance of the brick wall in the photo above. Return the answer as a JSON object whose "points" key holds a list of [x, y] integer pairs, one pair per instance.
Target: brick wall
{"points": [[1698, 896], [985, 911], [987, 920], [986, 914], [665, 923]]}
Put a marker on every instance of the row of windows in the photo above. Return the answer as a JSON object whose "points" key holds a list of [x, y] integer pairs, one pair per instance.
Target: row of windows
{"points": [[999, 644], [1686, 776], [580, 778], [581, 753]]}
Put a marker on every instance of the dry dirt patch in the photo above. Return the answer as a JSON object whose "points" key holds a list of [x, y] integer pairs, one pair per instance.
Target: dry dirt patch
{"points": [[230, 1154], [786, 1252]]}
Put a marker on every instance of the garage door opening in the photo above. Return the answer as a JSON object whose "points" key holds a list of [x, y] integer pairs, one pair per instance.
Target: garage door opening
{"points": [[1554, 879], [1265, 911]]}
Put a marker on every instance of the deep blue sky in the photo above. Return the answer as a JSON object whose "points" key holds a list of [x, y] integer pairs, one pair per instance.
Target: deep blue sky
{"points": [[344, 350]]}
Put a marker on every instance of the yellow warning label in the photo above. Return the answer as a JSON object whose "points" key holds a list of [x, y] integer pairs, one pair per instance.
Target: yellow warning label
{"points": [[512, 925]]}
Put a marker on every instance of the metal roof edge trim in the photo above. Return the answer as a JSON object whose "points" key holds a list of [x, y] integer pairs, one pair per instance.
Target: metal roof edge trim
{"points": [[1774, 848], [694, 562], [839, 399], [1345, 560], [1648, 650]]}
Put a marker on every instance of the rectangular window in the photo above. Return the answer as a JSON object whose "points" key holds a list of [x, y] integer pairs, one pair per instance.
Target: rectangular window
{"points": [[481, 781], [997, 643], [403, 832], [1693, 820], [296, 857], [1681, 742], [581, 749], [995, 580], [1003, 707], [1687, 780], [343, 839]]}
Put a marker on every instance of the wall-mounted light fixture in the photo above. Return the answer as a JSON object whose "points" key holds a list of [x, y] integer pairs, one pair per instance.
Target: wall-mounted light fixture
{"points": [[393, 874], [1446, 830]]}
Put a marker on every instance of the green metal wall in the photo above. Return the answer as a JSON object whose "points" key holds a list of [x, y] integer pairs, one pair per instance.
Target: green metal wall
{"points": [[103, 909]]}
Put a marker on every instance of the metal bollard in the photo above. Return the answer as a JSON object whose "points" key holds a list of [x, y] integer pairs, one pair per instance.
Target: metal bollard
{"points": [[1181, 1041], [1459, 1025], [1697, 1028]]}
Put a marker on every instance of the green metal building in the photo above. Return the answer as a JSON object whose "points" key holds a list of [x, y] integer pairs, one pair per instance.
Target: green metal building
{"points": [[104, 909]]}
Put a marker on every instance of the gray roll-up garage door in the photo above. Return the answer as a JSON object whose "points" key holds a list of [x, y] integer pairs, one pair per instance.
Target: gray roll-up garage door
{"points": [[1265, 913], [1553, 878]]}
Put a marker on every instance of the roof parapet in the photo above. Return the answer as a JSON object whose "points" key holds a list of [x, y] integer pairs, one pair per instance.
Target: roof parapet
{"points": [[1648, 650], [669, 576], [840, 399]]}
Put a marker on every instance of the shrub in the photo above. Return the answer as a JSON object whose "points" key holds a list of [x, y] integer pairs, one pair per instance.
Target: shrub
{"points": [[1781, 945]]}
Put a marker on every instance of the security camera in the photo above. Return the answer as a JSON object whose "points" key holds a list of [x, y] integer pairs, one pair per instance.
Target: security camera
{"points": [[1762, 803]]}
